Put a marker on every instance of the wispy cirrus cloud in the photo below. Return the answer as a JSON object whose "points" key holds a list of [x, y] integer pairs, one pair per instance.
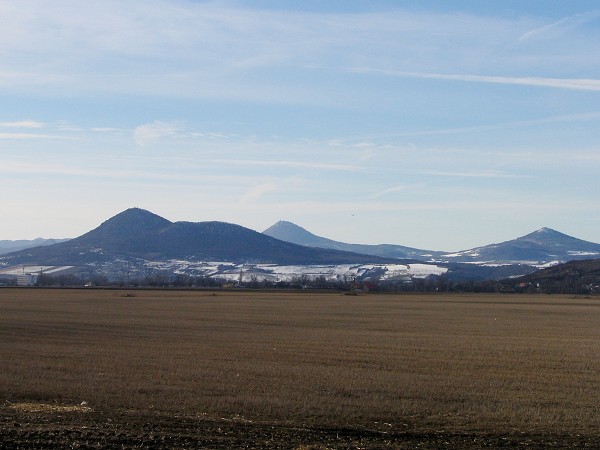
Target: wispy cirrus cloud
{"points": [[563, 24], [328, 207], [33, 136], [584, 84], [116, 170], [256, 192], [260, 105], [561, 83], [288, 164], [396, 189], [208, 49], [22, 124], [149, 133], [472, 174], [549, 120]]}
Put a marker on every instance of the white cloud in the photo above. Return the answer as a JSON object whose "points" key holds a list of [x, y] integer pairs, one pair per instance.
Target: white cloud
{"points": [[149, 133]]}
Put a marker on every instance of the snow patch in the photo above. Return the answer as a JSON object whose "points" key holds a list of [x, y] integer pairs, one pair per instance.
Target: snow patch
{"points": [[33, 270], [425, 270], [581, 253]]}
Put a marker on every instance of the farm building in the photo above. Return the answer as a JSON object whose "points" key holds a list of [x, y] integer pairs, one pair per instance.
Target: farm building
{"points": [[27, 279]]}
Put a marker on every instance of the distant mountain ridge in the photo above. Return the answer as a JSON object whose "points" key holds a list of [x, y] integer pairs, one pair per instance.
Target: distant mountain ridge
{"points": [[8, 246], [137, 233], [290, 232], [542, 246], [538, 248]]}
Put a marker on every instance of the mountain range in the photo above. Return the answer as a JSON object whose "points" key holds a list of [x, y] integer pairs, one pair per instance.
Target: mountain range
{"points": [[539, 248], [137, 242], [140, 234]]}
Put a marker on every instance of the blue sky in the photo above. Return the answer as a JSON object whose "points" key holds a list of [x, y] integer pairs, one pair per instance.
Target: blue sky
{"points": [[434, 124]]}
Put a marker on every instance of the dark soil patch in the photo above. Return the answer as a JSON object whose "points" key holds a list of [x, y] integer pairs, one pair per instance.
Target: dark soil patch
{"points": [[95, 430]]}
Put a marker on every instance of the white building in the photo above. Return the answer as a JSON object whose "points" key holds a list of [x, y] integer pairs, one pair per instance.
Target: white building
{"points": [[27, 279]]}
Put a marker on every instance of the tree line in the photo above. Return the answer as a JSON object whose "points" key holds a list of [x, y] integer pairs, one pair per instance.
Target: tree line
{"points": [[431, 284]]}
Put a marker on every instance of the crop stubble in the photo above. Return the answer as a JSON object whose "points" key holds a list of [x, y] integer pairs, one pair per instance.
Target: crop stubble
{"points": [[480, 364]]}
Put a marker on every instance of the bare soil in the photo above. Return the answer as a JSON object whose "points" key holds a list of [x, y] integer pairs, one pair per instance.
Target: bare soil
{"points": [[176, 369], [19, 430]]}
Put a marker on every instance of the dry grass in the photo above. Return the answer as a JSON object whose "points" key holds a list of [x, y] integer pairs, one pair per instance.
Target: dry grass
{"points": [[397, 362]]}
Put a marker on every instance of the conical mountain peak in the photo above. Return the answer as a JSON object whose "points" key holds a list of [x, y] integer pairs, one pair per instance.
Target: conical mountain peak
{"points": [[139, 216], [127, 225], [546, 234]]}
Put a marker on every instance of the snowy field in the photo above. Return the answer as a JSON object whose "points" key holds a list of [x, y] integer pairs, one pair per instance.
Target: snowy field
{"points": [[37, 270], [272, 272]]}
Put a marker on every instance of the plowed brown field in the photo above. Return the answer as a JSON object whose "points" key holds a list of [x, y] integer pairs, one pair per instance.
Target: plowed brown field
{"points": [[233, 369]]}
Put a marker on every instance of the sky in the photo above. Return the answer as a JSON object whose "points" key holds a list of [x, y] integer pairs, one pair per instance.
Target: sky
{"points": [[432, 124]]}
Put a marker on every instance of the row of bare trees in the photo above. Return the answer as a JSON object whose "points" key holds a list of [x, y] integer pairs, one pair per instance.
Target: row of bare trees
{"points": [[430, 284]]}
